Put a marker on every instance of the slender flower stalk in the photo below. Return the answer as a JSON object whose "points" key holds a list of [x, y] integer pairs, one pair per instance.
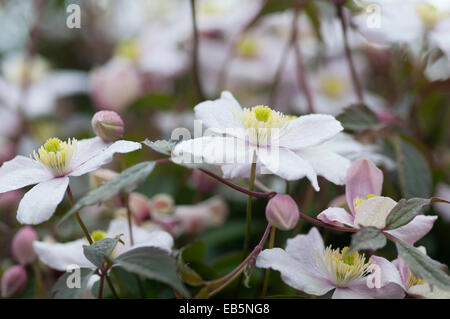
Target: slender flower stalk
{"points": [[195, 65], [38, 279], [348, 54], [249, 208], [77, 216], [267, 274]]}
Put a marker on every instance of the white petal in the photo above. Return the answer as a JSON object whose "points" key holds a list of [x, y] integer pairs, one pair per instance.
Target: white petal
{"points": [[328, 164], [373, 212], [415, 229], [105, 157], [88, 148], [288, 165], [219, 115], [336, 216], [305, 249], [40, 202], [64, 83], [293, 272], [389, 273], [60, 255], [22, 171], [142, 237], [310, 130], [213, 150]]}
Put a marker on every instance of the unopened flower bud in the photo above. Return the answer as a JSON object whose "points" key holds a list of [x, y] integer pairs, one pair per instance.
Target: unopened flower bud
{"points": [[13, 281], [108, 125], [22, 245], [140, 207], [100, 176], [162, 204], [203, 182], [282, 212]]}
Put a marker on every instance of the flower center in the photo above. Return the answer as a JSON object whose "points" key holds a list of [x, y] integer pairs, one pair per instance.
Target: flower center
{"points": [[263, 123], [332, 86], [343, 268], [413, 280], [56, 155], [98, 235], [358, 201], [247, 48], [429, 14], [128, 49], [23, 70]]}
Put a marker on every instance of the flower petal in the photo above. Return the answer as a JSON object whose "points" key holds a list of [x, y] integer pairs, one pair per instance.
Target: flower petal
{"points": [[60, 255], [305, 249], [293, 272], [310, 130], [105, 156], [288, 165], [373, 212], [336, 216], [389, 273], [363, 178], [328, 164], [415, 229], [219, 115], [40, 202], [142, 237], [22, 171]]}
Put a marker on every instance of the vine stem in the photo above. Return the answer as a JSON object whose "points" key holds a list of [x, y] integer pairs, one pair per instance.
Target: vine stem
{"points": [[267, 274], [195, 65], [77, 216], [348, 54], [100, 287], [38, 277]]}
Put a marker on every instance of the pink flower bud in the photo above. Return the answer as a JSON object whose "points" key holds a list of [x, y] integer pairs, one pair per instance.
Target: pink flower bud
{"points": [[139, 207], [203, 182], [100, 176], [13, 281], [162, 204], [282, 212], [22, 245], [108, 125]]}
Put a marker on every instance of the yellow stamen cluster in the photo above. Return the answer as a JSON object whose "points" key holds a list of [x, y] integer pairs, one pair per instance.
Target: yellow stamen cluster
{"points": [[247, 48], [358, 201], [98, 235], [332, 86], [413, 280], [429, 14], [128, 49], [56, 155], [260, 120], [341, 267]]}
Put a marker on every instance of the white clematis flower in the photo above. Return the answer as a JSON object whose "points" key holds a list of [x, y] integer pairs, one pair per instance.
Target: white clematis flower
{"points": [[60, 255], [50, 168], [283, 145]]}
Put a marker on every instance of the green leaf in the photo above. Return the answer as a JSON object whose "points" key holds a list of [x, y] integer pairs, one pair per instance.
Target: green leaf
{"points": [[271, 6], [413, 170], [405, 211], [152, 263], [368, 238], [161, 146], [124, 183], [97, 252], [358, 117], [61, 288], [423, 266], [193, 253]]}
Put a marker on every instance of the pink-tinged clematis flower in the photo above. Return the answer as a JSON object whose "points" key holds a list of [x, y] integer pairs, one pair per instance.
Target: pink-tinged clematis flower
{"points": [[417, 287], [50, 168], [307, 265], [60, 255], [367, 208], [284, 145]]}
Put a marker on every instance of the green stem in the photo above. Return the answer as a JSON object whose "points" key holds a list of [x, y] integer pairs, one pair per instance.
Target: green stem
{"points": [[111, 287], [249, 209], [117, 280], [100, 287], [77, 216], [38, 278], [267, 274]]}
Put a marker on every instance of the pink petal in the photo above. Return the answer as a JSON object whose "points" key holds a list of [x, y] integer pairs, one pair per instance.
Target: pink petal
{"points": [[363, 178], [40, 202], [336, 216], [415, 229]]}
